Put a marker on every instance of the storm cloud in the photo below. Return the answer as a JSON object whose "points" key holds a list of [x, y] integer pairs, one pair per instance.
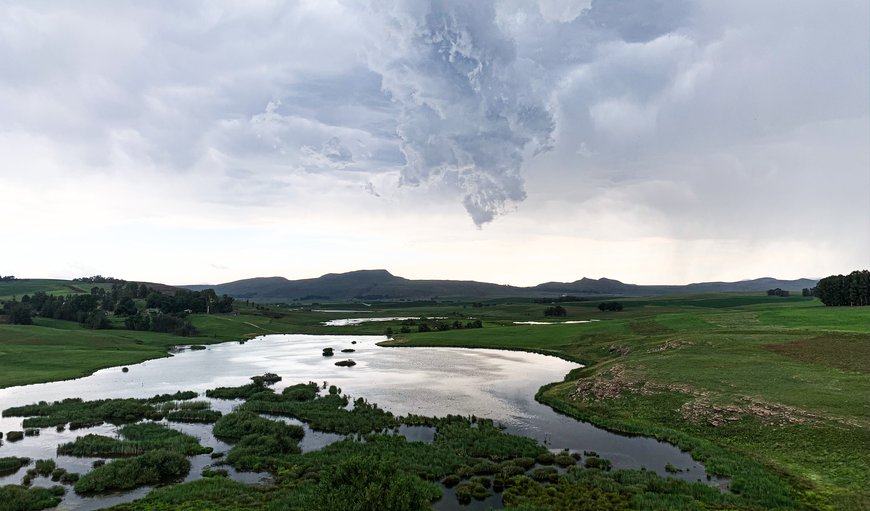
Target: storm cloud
{"points": [[681, 120]]}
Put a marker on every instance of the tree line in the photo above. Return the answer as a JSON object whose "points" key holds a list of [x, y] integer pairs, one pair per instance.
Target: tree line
{"points": [[845, 290], [162, 312]]}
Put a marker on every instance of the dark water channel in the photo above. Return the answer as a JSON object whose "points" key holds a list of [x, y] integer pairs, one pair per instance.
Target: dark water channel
{"points": [[424, 381]]}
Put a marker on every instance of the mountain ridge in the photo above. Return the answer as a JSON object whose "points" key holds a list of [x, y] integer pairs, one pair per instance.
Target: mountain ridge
{"points": [[380, 284]]}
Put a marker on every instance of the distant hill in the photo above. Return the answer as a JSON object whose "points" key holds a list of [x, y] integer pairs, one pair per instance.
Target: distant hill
{"points": [[382, 285]]}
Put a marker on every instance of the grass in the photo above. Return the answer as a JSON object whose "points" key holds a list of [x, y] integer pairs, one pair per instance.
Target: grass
{"points": [[21, 498], [793, 374], [124, 474], [138, 439], [769, 391]]}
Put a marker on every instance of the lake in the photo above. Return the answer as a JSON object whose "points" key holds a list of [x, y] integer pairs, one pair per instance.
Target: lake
{"points": [[426, 381]]}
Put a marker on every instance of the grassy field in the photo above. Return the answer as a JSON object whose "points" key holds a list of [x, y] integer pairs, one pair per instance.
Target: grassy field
{"points": [[745, 383], [765, 390]]}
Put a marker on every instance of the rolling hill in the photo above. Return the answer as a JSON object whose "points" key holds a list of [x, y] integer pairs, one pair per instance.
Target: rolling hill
{"points": [[382, 285]]}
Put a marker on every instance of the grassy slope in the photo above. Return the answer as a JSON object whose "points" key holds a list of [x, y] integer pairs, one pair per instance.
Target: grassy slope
{"points": [[18, 288], [741, 352], [57, 350]]}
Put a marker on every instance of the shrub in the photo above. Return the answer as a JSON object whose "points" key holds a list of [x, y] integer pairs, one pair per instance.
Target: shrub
{"points": [[150, 468], [598, 463], [21, 498], [12, 464], [610, 306]]}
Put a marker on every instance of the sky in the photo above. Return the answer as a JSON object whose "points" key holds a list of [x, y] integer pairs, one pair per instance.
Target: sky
{"points": [[508, 141]]}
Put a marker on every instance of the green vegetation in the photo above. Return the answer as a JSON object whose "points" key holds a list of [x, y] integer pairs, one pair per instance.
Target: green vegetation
{"points": [[138, 439], [845, 290], [124, 474], [258, 385], [767, 391], [22, 498], [81, 414], [201, 416], [11, 464], [323, 413]]}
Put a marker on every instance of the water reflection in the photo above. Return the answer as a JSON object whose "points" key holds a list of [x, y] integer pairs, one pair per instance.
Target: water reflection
{"points": [[424, 381]]}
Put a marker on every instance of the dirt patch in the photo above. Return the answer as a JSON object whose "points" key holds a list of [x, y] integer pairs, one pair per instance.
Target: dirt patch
{"points": [[672, 344], [616, 381], [622, 349], [841, 351], [702, 411]]}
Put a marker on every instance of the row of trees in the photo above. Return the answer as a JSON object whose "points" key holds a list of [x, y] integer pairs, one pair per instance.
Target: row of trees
{"points": [[206, 301], [7, 278], [777, 292], [845, 290], [163, 313], [99, 279]]}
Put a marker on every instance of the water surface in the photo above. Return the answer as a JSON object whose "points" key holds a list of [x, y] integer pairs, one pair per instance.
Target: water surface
{"points": [[424, 381]]}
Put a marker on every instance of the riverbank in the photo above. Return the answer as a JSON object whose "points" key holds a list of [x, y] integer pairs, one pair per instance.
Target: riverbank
{"points": [[770, 395]]}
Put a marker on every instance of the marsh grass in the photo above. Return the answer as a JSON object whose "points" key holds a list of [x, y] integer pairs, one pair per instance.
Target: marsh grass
{"points": [[138, 439], [153, 467], [81, 414], [324, 413], [11, 464], [21, 498]]}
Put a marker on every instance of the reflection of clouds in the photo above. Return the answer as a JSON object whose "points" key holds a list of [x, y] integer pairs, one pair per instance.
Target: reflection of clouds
{"points": [[426, 381]]}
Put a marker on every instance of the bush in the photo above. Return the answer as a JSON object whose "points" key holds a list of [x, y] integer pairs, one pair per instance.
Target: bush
{"points": [[11, 464], [363, 483], [301, 392], [557, 311], [150, 468], [20, 498], [45, 467], [599, 463], [610, 306]]}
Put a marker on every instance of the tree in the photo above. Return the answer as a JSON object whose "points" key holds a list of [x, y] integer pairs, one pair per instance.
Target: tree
{"points": [[610, 306], [19, 313], [126, 307], [558, 311], [845, 290]]}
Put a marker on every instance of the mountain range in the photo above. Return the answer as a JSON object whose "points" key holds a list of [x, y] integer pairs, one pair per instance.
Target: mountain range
{"points": [[383, 285]]}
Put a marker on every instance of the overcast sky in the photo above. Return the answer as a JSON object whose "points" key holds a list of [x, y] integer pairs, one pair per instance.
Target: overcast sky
{"points": [[510, 141]]}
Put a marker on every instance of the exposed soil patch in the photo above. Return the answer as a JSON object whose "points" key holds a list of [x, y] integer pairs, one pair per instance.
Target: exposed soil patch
{"points": [[702, 411], [622, 349], [672, 344], [614, 382], [842, 351]]}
